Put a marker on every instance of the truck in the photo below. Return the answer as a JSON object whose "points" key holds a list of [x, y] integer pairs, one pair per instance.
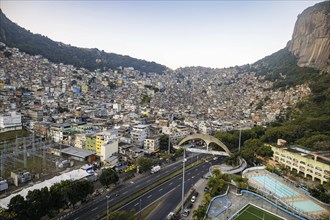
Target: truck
{"points": [[155, 169]]}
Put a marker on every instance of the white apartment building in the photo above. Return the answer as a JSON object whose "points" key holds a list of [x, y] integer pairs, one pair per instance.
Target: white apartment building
{"points": [[139, 133], [10, 121], [108, 149], [151, 144], [56, 131]]}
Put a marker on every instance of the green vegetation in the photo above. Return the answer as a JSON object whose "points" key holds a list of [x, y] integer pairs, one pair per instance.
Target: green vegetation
{"points": [[199, 213], [145, 212], [163, 142], [145, 99], [108, 177], [14, 36], [321, 192], [152, 88], [39, 203], [281, 67], [217, 183], [253, 212], [145, 164], [10, 136], [119, 215]]}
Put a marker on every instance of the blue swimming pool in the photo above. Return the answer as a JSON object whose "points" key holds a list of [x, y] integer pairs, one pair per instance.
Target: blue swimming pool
{"points": [[274, 186], [307, 206]]}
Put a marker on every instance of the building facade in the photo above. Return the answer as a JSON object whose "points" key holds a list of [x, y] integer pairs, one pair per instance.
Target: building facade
{"points": [[139, 133], [311, 164], [10, 121]]}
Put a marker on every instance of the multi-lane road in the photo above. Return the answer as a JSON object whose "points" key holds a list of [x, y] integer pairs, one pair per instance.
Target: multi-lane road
{"points": [[170, 190]]}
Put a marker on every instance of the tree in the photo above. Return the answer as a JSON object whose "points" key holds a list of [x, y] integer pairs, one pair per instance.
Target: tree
{"points": [[18, 205], [108, 177], [145, 164], [38, 203], [163, 142], [200, 212], [57, 197]]}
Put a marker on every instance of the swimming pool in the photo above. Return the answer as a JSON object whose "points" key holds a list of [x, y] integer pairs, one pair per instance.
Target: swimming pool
{"points": [[274, 186], [307, 206]]}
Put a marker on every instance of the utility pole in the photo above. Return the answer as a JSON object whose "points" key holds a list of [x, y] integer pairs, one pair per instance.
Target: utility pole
{"points": [[107, 206], [239, 140]]}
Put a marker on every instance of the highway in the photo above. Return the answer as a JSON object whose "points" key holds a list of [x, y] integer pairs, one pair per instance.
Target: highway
{"points": [[174, 198], [95, 208]]}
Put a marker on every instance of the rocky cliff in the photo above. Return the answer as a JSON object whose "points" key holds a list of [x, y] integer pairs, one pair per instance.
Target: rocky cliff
{"points": [[310, 41]]}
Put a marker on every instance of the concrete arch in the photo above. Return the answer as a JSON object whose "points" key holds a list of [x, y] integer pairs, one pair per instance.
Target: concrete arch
{"points": [[208, 139]]}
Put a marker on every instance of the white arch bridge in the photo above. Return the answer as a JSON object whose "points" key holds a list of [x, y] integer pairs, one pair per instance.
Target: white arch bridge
{"points": [[208, 140]]}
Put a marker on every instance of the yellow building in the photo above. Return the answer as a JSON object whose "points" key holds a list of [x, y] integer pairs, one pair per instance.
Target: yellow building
{"points": [[312, 164], [99, 142]]}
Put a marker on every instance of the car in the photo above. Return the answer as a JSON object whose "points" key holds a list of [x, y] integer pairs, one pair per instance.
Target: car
{"points": [[206, 176], [184, 160], [170, 215], [189, 206], [185, 213], [193, 198], [215, 158], [206, 188]]}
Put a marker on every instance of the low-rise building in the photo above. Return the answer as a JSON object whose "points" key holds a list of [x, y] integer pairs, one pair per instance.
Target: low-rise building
{"points": [[315, 165], [10, 121], [151, 144], [139, 133]]}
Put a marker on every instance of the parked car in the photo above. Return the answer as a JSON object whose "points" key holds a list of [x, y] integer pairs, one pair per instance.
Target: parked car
{"points": [[193, 198], [206, 176], [185, 212], [206, 188]]}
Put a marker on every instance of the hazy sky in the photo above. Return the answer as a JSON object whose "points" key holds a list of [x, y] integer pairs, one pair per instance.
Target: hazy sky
{"points": [[173, 33]]}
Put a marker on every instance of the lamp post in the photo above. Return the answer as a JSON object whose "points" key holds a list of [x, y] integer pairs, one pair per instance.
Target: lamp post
{"points": [[108, 197], [140, 208], [183, 164]]}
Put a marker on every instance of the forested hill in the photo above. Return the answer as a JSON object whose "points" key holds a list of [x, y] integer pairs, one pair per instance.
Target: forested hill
{"points": [[35, 44]]}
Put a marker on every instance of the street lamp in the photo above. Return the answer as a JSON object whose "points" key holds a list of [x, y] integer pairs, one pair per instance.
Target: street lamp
{"points": [[140, 207], [184, 161], [108, 197]]}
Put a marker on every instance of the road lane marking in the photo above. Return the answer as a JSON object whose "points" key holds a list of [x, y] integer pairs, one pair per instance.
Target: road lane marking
{"points": [[149, 196], [110, 200], [124, 193], [160, 189], [94, 209], [137, 204], [170, 183], [137, 186]]}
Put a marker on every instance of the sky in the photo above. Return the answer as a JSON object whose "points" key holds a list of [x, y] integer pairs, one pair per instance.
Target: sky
{"points": [[182, 33]]}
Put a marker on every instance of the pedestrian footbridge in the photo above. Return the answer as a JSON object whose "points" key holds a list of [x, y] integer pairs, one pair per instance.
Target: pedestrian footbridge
{"points": [[208, 140]]}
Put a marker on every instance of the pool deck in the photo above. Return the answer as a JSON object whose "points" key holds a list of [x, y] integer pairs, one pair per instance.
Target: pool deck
{"points": [[288, 200]]}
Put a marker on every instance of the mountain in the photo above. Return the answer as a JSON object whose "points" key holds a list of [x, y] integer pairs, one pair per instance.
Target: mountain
{"points": [[305, 55], [305, 59], [35, 44], [310, 41]]}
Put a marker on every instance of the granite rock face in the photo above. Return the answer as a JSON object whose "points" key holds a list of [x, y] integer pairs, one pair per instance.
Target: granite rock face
{"points": [[310, 41]]}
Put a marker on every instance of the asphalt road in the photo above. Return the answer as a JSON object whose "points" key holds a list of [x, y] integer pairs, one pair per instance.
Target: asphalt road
{"points": [[171, 200], [95, 208]]}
